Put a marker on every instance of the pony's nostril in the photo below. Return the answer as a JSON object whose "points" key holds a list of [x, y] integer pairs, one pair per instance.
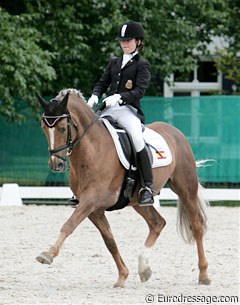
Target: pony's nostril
{"points": [[61, 166]]}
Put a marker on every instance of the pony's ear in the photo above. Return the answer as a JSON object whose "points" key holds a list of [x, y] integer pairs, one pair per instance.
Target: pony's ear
{"points": [[42, 102], [65, 101]]}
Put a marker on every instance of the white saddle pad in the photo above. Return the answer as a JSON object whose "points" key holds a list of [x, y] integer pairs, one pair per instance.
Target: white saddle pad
{"points": [[160, 151]]}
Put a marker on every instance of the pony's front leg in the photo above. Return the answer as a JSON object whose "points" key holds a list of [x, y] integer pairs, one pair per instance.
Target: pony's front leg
{"points": [[79, 214], [48, 256]]}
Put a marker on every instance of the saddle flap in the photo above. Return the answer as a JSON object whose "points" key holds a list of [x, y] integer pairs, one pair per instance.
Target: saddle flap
{"points": [[161, 154]]}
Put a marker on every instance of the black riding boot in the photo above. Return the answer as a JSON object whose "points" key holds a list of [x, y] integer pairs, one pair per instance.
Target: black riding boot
{"points": [[145, 195]]}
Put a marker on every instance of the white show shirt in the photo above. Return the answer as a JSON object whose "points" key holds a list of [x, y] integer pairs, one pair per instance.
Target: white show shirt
{"points": [[127, 58]]}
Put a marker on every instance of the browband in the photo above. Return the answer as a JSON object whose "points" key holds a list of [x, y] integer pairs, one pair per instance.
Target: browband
{"points": [[55, 119]]}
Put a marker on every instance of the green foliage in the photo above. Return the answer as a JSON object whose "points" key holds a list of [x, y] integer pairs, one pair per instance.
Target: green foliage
{"points": [[227, 60], [67, 43], [229, 64], [25, 67]]}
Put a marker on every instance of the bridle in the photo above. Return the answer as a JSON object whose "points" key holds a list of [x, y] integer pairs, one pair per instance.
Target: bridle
{"points": [[70, 143]]}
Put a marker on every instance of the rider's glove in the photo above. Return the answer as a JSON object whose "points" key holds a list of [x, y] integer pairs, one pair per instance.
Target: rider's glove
{"points": [[93, 100], [112, 100]]}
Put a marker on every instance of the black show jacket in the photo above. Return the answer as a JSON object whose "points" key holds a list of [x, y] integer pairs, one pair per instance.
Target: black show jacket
{"points": [[130, 82]]}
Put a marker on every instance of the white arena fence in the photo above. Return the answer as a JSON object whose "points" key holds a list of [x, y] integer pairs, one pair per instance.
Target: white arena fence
{"points": [[11, 194]]}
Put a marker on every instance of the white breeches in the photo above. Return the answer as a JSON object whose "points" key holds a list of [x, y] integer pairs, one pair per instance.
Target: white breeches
{"points": [[127, 117]]}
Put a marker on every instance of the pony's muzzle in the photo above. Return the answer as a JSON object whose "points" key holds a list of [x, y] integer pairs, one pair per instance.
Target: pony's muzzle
{"points": [[56, 164]]}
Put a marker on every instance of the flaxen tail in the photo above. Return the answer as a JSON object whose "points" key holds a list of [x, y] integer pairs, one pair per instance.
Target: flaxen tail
{"points": [[183, 223]]}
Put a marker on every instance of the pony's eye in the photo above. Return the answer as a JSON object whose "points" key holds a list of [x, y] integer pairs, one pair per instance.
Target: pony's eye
{"points": [[61, 129]]}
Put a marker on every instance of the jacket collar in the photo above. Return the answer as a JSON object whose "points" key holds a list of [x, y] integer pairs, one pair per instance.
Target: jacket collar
{"points": [[131, 61]]}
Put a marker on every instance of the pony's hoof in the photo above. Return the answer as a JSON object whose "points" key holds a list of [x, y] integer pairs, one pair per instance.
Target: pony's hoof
{"points": [[206, 281], [44, 258], [118, 285], [120, 282], [145, 275]]}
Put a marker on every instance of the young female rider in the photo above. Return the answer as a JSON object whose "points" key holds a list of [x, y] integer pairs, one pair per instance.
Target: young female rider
{"points": [[127, 78]]}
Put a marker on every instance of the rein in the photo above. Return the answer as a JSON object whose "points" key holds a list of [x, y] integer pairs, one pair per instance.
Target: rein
{"points": [[70, 144]]}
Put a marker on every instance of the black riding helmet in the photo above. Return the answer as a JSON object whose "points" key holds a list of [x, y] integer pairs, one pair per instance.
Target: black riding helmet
{"points": [[131, 30]]}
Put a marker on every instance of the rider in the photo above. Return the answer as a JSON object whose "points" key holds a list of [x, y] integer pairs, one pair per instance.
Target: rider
{"points": [[127, 78]]}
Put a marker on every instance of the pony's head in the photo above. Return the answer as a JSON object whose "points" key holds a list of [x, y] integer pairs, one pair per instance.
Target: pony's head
{"points": [[55, 107], [56, 126]]}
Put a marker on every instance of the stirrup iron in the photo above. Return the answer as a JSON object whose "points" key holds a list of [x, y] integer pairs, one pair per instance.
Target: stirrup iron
{"points": [[145, 196]]}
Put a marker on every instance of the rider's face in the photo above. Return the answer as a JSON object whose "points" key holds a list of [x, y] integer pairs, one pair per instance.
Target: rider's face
{"points": [[128, 46]]}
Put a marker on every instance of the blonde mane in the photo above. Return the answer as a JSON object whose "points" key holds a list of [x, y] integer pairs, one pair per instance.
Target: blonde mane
{"points": [[73, 91]]}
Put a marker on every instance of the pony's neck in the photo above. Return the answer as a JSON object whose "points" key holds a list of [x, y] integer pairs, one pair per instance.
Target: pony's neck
{"points": [[80, 112], [88, 128]]}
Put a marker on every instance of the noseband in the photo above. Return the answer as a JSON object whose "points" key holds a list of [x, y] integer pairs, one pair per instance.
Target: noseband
{"points": [[51, 121]]}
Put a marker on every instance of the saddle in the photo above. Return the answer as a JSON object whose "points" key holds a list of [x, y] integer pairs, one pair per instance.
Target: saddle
{"points": [[158, 150]]}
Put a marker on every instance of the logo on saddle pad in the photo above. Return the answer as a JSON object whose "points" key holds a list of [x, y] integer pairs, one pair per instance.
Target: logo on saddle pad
{"points": [[161, 154]]}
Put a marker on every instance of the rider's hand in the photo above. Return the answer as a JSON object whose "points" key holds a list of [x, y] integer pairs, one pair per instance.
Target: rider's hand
{"points": [[93, 100], [112, 100]]}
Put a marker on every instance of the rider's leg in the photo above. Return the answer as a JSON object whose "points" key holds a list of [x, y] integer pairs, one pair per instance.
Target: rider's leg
{"points": [[145, 194], [129, 120]]}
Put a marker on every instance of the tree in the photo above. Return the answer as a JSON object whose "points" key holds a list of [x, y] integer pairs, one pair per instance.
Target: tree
{"points": [[67, 43], [25, 67], [82, 34], [228, 60]]}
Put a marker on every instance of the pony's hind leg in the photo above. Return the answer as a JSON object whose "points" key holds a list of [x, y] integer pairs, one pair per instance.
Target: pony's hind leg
{"points": [[155, 223], [100, 221], [192, 225]]}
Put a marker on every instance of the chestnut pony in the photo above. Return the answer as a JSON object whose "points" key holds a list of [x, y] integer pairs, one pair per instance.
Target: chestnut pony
{"points": [[96, 176]]}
